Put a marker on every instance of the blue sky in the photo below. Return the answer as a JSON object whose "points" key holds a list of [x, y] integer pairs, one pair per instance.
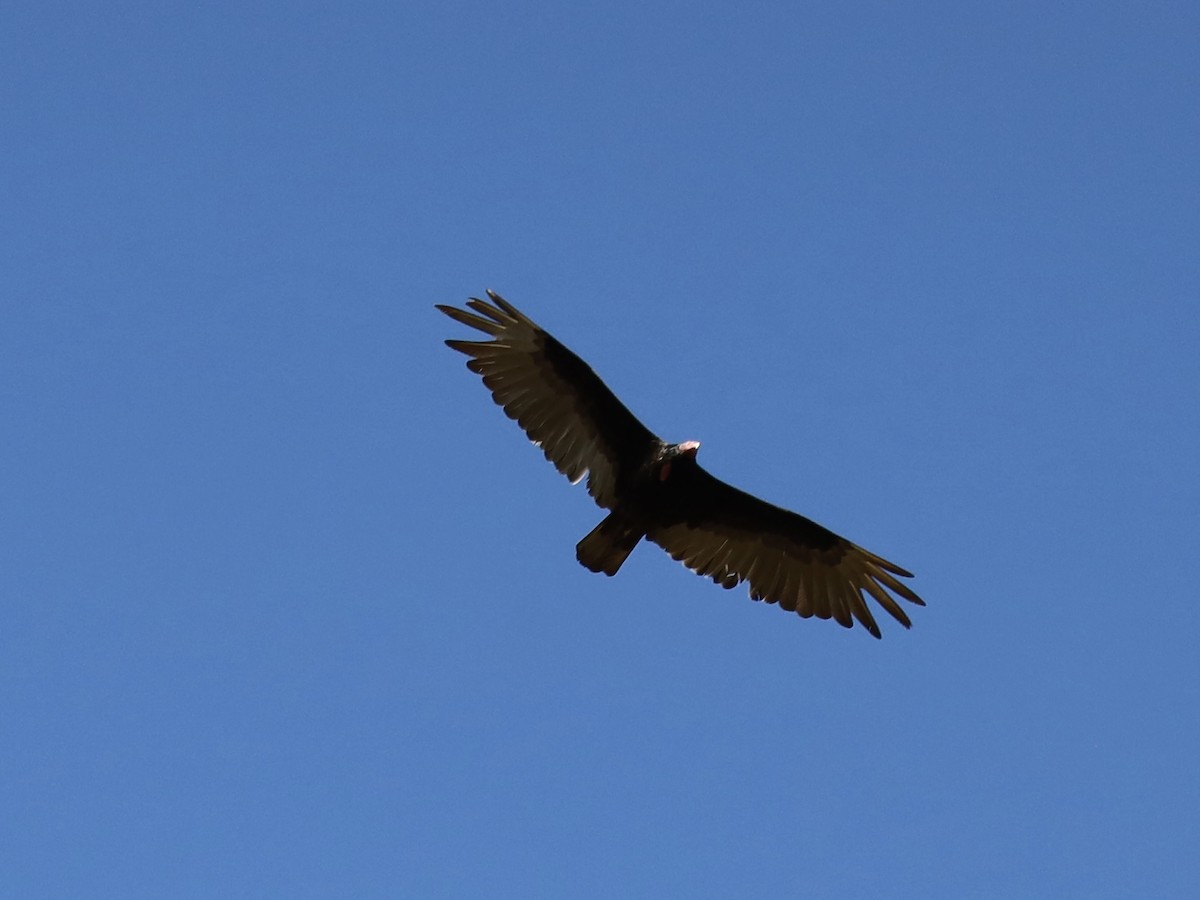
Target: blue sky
{"points": [[289, 608]]}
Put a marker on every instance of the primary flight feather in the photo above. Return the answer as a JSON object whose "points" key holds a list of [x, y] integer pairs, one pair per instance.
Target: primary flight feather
{"points": [[659, 491]]}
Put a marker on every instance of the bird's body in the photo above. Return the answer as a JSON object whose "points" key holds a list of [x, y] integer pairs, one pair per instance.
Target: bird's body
{"points": [[658, 490], [649, 496]]}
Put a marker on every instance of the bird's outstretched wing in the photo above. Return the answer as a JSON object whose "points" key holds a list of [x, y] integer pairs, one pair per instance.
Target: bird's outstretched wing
{"points": [[562, 405], [731, 537]]}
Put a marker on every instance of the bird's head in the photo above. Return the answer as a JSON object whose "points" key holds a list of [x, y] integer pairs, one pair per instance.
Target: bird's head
{"points": [[674, 452]]}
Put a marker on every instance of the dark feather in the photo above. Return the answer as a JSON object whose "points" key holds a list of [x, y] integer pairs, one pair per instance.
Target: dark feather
{"points": [[717, 530], [564, 408]]}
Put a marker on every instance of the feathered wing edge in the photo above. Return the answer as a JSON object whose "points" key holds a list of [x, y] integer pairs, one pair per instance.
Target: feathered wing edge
{"points": [[829, 584], [560, 403], [731, 537]]}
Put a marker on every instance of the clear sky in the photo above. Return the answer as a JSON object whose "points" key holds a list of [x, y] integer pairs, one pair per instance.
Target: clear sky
{"points": [[288, 608]]}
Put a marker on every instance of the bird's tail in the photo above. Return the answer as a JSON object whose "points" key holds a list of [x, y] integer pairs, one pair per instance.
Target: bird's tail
{"points": [[608, 545]]}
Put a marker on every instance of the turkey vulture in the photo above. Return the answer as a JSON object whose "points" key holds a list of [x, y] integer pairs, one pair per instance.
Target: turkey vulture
{"points": [[658, 491]]}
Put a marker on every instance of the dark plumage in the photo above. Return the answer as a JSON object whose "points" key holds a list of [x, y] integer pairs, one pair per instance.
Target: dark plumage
{"points": [[658, 490]]}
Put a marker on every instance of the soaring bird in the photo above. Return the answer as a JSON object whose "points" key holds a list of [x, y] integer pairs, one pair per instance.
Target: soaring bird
{"points": [[659, 491]]}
